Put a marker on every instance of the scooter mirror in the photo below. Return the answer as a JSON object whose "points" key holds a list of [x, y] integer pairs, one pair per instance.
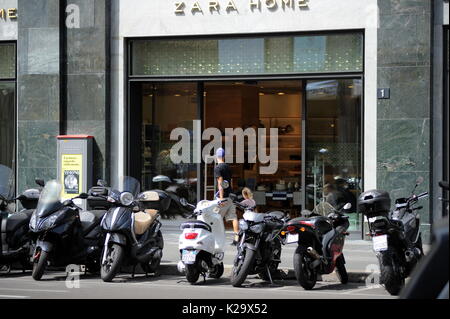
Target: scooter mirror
{"points": [[83, 196], [419, 180], [347, 206], [40, 182]]}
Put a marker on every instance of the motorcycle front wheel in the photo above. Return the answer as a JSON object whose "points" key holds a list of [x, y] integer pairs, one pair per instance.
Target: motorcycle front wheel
{"points": [[242, 267], [111, 266], [39, 265], [341, 271], [306, 276]]}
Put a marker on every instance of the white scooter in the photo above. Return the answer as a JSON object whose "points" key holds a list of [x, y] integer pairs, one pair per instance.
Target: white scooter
{"points": [[202, 243]]}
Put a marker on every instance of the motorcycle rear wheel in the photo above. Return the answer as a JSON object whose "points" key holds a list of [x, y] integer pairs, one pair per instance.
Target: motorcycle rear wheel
{"points": [[306, 276], [240, 271], [40, 265], [193, 272], [114, 256], [390, 277]]}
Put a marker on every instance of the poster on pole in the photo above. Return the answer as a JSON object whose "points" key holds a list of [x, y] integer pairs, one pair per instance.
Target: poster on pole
{"points": [[71, 175]]}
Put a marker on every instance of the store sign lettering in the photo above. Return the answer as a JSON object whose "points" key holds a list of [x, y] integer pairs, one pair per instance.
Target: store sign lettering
{"points": [[6, 14], [181, 7]]}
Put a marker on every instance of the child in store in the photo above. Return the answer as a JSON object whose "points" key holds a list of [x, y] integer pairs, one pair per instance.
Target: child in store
{"points": [[248, 198]]}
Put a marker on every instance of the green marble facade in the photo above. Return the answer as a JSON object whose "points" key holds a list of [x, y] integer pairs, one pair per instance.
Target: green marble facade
{"points": [[62, 84], [404, 66]]}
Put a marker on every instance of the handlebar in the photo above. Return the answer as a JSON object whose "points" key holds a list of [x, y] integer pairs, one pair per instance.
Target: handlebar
{"points": [[423, 195], [243, 207]]}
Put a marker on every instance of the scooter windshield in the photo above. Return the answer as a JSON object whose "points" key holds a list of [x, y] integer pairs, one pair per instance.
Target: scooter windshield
{"points": [[6, 183], [49, 201], [128, 184]]}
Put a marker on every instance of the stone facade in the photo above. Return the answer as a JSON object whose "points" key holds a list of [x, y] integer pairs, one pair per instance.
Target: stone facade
{"points": [[63, 84], [403, 125]]}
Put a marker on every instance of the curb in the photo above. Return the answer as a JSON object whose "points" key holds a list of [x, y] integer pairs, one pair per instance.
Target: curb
{"points": [[170, 269]]}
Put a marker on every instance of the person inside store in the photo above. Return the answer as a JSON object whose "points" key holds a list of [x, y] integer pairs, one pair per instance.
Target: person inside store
{"points": [[345, 195], [222, 172]]}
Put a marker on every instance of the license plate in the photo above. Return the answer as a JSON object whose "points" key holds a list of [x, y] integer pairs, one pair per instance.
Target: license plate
{"points": [[380, 243], [189, 256], [292, 238]]}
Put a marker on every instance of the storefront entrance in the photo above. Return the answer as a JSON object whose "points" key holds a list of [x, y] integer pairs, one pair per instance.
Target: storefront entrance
{"points": [[319, 138], [255, 83]]}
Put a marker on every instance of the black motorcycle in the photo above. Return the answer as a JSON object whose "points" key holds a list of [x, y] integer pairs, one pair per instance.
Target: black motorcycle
{"points": [[15, 241], [396, 236], [132, 227], [63, 235], [320, 242], [259, 246]]}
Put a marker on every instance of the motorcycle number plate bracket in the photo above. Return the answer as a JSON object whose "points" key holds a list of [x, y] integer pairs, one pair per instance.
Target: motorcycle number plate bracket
{"points": [[189, 256], [292, 239], [380, 243]]}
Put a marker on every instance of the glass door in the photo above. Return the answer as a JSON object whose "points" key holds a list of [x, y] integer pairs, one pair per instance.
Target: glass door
{"points": [[166, 107], [333, 145]]}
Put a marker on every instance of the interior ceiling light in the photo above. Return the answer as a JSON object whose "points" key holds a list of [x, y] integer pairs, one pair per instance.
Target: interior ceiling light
{"points": [[281, 93]]}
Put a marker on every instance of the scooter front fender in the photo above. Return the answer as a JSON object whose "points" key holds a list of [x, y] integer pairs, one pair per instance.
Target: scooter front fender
{"points": [[116, 238], [44, 245], [250, 246]]}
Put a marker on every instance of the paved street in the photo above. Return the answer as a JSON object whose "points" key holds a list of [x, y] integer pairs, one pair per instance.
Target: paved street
{"points": [[168, 286], [53, 286]]}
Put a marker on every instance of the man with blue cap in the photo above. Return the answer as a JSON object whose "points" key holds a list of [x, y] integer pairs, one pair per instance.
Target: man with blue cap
{"points": [[222, 173]]}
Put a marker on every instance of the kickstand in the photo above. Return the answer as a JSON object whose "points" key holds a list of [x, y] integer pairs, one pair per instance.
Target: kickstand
{"points": [[134, 271], [204, 278], [270, 276]]}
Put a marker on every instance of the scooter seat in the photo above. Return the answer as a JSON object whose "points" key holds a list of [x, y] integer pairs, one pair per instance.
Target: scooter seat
{"points": [[143, 220], [17, 220], [196, 224]]}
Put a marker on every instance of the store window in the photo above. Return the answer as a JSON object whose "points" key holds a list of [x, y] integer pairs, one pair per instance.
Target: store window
{"points": [[235, 56], [333, 144], [7, 104], [261, 105], [166, 107]]}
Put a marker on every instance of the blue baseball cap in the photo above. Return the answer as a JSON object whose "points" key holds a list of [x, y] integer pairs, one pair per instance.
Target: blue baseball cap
{"points": [[220, 153]]}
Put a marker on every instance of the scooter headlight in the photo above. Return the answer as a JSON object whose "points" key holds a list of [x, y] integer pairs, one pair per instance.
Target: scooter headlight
{"points": [[243, 225], [126, 199], [48, 222], [257, 228]]}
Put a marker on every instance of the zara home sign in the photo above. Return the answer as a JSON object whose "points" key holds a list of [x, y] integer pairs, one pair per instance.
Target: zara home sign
{"points": [[182, 7], [10, 14]]}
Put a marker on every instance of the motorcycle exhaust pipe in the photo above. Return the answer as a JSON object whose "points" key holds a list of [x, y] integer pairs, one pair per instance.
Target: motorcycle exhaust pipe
{"points": [[313, 253], [410, 255]]}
